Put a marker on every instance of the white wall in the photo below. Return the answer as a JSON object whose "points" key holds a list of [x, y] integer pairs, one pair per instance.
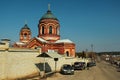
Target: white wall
{"points": [[21, 64], [18, 65], [63, 60]]}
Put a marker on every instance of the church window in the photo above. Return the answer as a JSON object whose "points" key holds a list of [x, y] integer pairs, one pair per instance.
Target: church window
{"points": [[67, 53], [50, 30], [25, 35], [42, 29], [57, 31]]}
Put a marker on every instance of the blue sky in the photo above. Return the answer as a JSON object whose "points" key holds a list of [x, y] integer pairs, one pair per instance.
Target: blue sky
{"points": [[85, 22]]}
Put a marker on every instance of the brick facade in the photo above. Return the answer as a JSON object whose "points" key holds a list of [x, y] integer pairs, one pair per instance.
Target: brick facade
{"points": [[48, 38]]}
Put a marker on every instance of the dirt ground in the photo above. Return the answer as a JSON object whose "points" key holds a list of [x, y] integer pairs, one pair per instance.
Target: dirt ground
{"points": [[103, 71]]}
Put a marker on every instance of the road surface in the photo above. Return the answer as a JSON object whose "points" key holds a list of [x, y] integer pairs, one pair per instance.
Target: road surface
{"points": [[103, 71]]}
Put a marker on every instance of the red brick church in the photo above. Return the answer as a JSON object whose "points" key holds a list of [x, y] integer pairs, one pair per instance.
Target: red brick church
{"points": [[48, 38]]}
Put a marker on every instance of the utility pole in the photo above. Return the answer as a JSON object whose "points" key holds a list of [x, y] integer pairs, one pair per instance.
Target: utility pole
{"points": [[44, 56], [55, 59], [92, 51], [92, 47]]}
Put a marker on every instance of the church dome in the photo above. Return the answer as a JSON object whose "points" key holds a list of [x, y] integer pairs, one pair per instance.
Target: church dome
{"points": [[48, 15], [25, 27]]}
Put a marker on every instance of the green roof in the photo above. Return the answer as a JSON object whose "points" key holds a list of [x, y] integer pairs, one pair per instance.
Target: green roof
{"points": [[25, 27], [48, 15]]}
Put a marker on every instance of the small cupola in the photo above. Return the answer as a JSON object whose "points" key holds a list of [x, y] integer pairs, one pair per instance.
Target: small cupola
{"points": [[25, 27], [25, 34]]}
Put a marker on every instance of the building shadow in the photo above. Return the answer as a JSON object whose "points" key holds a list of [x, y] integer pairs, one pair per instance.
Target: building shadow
{"points": [[40, 66]]}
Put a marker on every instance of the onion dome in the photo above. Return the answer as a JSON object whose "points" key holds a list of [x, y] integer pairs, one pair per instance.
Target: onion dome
{"points": [[48, 15], [25, 27]]}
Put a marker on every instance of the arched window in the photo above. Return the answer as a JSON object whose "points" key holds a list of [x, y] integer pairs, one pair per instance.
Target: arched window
{"points": [[42, 29], [67, 53], [57, 31], [25, 35], [50, 30]]}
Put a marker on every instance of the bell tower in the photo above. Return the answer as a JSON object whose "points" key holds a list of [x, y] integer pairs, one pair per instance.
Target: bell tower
{"points": [[25, 34]]}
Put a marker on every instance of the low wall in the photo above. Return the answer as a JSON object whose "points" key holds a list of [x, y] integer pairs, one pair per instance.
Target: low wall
{"points": [[17, 65], [61, 61]]}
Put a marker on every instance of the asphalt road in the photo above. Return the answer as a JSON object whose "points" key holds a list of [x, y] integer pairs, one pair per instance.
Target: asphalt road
{"points": [[103, 71]]}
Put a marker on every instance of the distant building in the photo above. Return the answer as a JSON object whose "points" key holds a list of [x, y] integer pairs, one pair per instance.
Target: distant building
{"points": [[4, 44], [48, 38]]}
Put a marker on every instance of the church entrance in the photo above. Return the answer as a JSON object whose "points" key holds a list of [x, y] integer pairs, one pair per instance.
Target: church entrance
{"points": [[67, 53]]}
